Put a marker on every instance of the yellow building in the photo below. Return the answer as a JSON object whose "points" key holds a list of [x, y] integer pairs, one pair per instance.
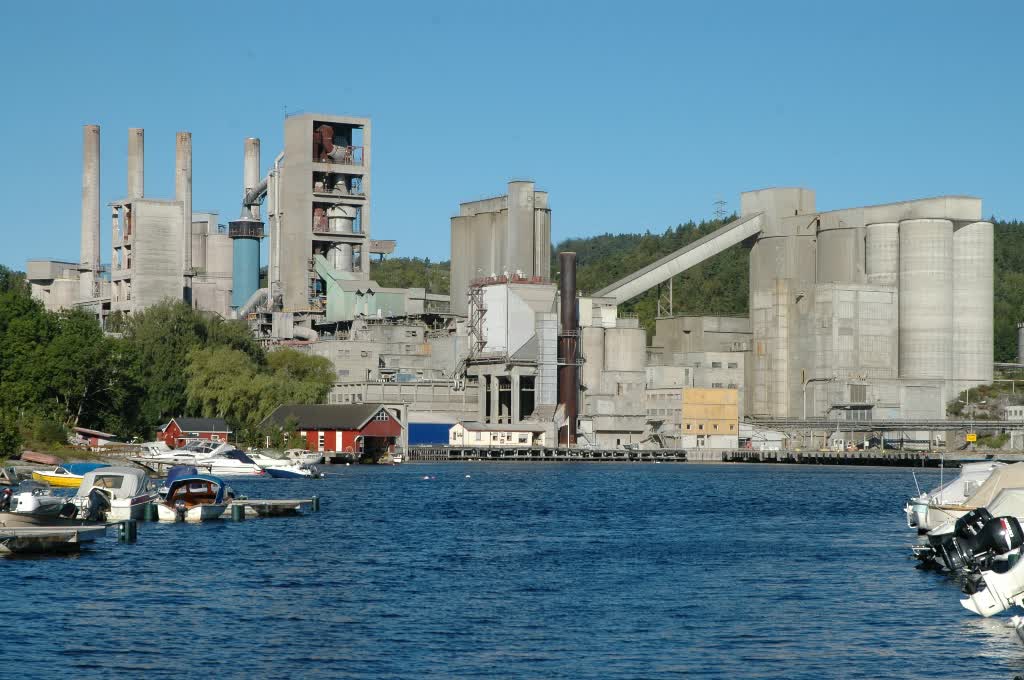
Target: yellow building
{"points": [[711, 418]]}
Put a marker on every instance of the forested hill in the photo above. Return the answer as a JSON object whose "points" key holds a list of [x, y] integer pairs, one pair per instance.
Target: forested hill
{"points": [[718, 286]]}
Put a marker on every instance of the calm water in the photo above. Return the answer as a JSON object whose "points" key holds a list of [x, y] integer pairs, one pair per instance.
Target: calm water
{"points": [[542, 571]]}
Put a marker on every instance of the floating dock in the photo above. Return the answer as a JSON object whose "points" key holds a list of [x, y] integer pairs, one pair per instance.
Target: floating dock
{"points": [[256, 507], [29, 540]]}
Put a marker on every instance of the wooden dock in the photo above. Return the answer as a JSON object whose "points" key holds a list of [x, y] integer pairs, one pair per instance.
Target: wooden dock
{"points": [[546, 455]]}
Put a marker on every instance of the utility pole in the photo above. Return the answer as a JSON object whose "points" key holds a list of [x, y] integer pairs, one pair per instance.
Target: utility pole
{"points": [[719, 209]]}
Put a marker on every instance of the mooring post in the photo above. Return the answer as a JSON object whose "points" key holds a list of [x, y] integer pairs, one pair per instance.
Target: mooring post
{"points": [[127, 531], [151, 514], [315, 503], [237, 512]]}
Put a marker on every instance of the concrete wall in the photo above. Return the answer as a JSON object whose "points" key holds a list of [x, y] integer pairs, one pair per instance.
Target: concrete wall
{"points": [[157, 253]]}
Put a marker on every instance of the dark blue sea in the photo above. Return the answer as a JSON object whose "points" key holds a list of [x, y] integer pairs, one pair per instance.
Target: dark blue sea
{"points": [[494, 570]]}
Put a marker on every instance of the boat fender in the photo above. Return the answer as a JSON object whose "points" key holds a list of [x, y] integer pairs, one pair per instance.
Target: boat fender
{"points": [[5, 499]]}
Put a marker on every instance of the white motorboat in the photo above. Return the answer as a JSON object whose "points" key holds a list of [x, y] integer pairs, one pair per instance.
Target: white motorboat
{"points": [[193, 498], [34, 505], [282, 468], [230, 463], [927, 511], [127, 490], [304, 456]]}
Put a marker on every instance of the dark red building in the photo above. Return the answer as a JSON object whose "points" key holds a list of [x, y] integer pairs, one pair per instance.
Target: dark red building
{"points": [[355, 429], [180, 431]]}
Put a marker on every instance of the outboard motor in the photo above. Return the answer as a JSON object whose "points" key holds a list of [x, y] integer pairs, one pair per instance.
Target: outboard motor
{"points": [[5, 499], [179, 511], [99, 504], [998, 537], [967, 526]]}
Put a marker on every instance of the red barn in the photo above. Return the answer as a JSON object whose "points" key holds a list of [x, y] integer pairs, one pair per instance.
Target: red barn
{"points": [[355, 429], [181, 431]]}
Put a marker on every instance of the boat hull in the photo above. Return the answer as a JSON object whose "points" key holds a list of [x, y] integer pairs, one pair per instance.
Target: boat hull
{"points": [[19, 520], [128, 508], [289, 473], [64, 481], [197, 513]]}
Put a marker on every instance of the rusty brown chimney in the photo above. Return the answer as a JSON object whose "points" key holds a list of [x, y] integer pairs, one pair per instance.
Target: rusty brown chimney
{"points": [[568, 350]]}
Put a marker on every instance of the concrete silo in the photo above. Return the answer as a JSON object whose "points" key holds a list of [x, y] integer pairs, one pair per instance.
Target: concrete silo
{"points": [[972, 305], [593, 356], [925, 301], [882, 253]]}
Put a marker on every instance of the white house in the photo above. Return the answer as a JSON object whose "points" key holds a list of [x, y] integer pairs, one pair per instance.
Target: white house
{"points": [[476, 435]]}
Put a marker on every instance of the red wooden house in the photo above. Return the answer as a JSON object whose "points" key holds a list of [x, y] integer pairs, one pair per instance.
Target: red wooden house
{"points": [[180, 431], [355, 429]]}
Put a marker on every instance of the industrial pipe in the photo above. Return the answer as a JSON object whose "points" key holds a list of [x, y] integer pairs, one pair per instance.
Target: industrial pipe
{"points": [[254, 299], [303, 333], [568, 364], [183, 193], [136, 163]]}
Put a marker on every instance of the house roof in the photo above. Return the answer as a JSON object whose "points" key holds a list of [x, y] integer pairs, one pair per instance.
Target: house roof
{"points": [[200, 424], [474, 426], [324, 416], [94, 433]]}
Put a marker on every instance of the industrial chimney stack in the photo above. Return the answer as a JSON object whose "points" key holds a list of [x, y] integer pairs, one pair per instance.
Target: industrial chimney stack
{"points": [[568, 350], [90, 250], [183, 193], [136, 163]]}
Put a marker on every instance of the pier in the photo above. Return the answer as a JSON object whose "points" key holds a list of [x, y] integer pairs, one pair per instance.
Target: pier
{"points": [[549, 455]]}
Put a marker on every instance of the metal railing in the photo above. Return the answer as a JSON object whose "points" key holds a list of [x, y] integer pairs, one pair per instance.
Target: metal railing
{"points": [[342, 155], [245, 228]]}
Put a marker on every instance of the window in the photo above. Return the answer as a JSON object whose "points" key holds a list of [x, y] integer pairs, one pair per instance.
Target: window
{"points": [[476, 436], [381, 415], [523, 439], [716, 427], [700, 426], [731, 428], [320, 442], [716, 364], [688, 426], [732, 386], [215, 437], [733, 364], [717, 385]]}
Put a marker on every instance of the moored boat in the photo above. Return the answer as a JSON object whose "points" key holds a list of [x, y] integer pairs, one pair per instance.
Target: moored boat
{"points": [[126, 489], [193, 498], [68, 475]]}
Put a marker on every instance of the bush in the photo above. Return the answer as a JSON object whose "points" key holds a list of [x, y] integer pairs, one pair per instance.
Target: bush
{"points": [[10, 436]]}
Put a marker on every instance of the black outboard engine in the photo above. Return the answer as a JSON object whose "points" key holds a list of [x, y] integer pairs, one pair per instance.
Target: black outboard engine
{"points": [[967, 526], [99, 504], [5, 499], [998, 537]]}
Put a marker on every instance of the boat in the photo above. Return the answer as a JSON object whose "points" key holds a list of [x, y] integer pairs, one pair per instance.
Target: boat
{"points": [[929, 510], [304, 456], [230, 463], [127, 490], [48, 539], [193, 498], [32, 504], [68, 475], [282, 468]]}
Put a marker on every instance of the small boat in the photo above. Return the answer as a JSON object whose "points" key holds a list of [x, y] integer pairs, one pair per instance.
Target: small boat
{"points": [[68, 475], [303, 456], [955, 491], [230, 463], [39, 458], [940, 511], [34, 505], [193, 498], [126, 489], [283, 468]]}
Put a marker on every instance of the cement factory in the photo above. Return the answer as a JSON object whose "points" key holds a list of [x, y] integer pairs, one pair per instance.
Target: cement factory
{"points": [[861, 320]]}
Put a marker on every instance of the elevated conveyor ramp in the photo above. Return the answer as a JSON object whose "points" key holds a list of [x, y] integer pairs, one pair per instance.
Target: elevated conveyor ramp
{"points": [[689, 256]]}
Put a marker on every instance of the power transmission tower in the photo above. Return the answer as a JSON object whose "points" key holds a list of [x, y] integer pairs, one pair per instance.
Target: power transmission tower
{"points": [[719, 209]]}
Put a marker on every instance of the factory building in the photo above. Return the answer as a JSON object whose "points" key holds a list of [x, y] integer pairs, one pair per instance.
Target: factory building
{"points": [[875, 312], [506, 235], [160, 249]]}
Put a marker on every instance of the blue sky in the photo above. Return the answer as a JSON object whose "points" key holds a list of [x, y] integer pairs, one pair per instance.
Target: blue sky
{"points": [[632, 115]]}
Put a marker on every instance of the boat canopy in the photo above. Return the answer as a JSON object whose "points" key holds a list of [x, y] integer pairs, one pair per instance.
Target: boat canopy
{"points": [[1008, 477], [188, 480], [81, 468], [120, 482], [179, 471], [1007, 502], [239, 456]]}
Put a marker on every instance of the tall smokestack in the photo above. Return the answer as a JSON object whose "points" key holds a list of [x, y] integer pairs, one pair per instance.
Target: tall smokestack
{"points": [[251, 172], [90, 250], [568, 368], [183, 193], [136, 163]]}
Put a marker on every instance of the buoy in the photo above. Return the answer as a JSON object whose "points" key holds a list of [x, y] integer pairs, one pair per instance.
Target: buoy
{"points": [[467, 477]]}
